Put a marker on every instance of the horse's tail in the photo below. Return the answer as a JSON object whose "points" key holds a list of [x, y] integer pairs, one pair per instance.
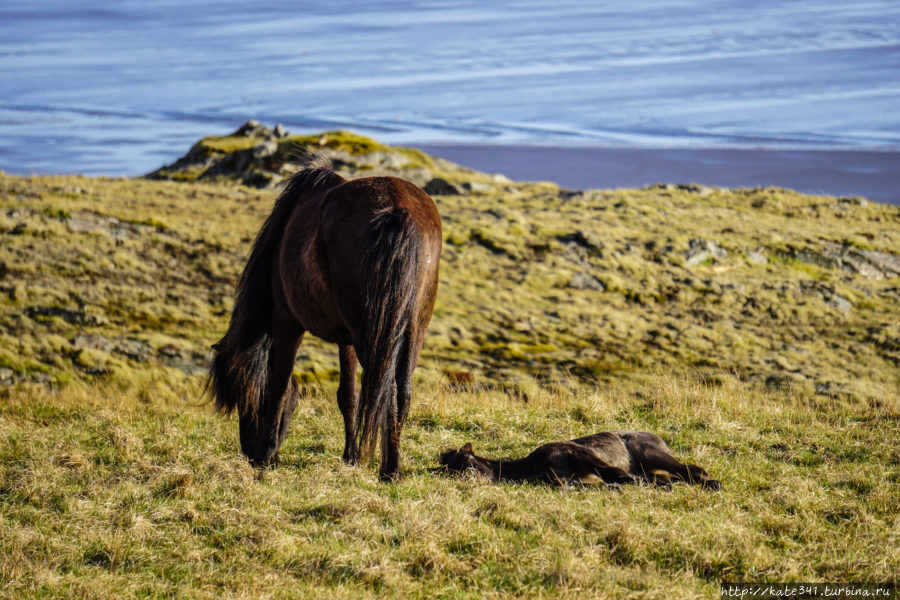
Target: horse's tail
{"points": [[391, 294], [238, 376]]}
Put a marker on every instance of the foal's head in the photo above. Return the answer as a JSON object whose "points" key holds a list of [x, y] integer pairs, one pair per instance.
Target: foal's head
{"points": [[464, 459]]}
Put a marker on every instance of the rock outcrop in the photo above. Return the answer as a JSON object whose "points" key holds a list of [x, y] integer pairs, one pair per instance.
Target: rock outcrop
{"points": [[258, 156]]}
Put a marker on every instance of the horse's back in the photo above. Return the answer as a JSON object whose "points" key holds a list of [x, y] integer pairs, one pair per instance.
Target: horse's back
{"points": [[643, 443], [349, 207], [324, 250]]}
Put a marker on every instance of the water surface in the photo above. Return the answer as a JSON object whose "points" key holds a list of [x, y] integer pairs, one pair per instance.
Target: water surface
{"points": [[122, 87]]}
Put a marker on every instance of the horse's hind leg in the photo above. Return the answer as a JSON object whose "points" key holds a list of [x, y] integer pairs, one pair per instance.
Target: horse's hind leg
{"points": [[406, 362], [348, 402], [390, 439], [398, 408]]}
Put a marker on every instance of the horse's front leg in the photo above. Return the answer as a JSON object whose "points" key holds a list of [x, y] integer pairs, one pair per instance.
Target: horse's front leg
{"points": [[348, 402], [264, 431]]}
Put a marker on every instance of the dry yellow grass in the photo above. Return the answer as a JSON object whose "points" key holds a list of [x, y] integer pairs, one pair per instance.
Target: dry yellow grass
{"points": [[138, 490]]}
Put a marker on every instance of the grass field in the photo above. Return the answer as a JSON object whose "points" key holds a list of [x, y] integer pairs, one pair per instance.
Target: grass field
{"points": [[756, 331], [141, 491]]}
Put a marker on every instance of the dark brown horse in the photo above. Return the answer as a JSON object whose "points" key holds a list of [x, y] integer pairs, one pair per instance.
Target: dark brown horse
{"points": [[354, 263], [611, 457]]}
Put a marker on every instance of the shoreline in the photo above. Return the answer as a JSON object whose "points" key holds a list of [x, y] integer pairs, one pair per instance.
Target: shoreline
{"points": [[872, 174]]}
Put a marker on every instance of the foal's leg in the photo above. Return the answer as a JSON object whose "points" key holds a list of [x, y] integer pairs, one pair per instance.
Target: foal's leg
{"points": [[659, 465], [587, 467], [595, 474], [348, 402], [615, 475], [660, 478]]}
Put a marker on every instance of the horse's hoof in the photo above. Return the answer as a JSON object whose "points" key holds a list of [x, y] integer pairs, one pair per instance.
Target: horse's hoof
{"points": [[712, 485], [389, 477]]}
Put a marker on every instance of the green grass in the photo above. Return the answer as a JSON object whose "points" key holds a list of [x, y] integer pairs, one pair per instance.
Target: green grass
{"points": [[140, 490]]}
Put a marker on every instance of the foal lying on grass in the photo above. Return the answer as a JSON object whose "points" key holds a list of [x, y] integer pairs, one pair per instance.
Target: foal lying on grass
{"points": [[609, 457]]}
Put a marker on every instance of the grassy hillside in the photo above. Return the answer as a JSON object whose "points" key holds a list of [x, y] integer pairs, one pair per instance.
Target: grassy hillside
{"points": [[755, 330], [538, 284]]}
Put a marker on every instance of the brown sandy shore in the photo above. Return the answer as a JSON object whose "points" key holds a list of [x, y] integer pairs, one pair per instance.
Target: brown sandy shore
{"points": [[874, 175]]}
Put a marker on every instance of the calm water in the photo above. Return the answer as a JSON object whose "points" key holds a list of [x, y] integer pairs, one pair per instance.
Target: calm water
{"points": [[122, 87]]}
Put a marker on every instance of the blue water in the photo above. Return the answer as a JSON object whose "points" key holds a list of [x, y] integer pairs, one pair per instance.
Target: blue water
{"points": [[122, 87]]}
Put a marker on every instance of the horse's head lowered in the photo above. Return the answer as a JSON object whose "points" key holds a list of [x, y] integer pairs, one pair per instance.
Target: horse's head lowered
{"points": [[263, 433], [263, 422]]}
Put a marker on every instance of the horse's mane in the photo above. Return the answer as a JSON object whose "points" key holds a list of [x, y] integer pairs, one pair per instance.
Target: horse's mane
{"points": [[307, 160]]}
